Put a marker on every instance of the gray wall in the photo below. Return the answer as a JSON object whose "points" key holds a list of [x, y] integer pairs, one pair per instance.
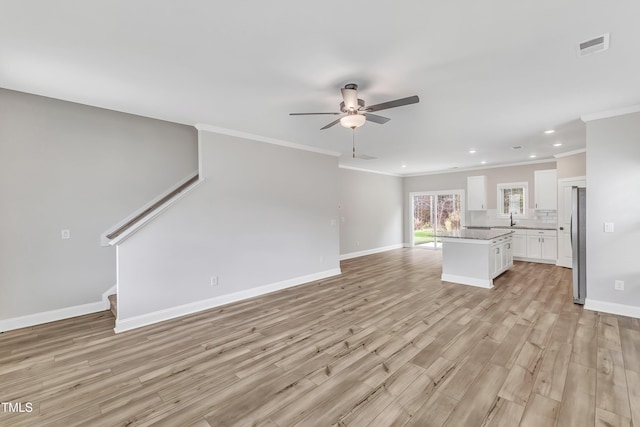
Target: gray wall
{"points": [[370, 211], [263, 214], [613, 195], [65, 165], [458, 181]]}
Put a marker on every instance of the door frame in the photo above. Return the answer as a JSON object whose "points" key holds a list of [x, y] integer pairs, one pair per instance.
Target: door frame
{"points": [[412, 194], [563, 235]]}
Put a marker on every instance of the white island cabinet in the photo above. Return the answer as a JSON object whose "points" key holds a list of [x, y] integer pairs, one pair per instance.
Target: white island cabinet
{"points": [[476, 257]]}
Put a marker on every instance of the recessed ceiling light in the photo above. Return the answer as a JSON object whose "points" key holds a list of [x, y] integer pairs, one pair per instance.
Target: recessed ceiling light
{"points": [[550, 131], [532, 156], [404, 166], [557, 144], [484, 162], [472, 151]]}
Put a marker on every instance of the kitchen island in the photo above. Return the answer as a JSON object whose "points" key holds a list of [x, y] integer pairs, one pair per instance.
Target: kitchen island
{"points": [[476, 257]]}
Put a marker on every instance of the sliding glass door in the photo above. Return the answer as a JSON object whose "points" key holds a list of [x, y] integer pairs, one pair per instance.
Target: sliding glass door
{"points": [[434, 213]]}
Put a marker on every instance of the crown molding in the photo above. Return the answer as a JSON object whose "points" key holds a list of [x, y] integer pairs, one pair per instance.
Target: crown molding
{"points": [[506, 165], [368, 170], [610, 113], [570, 153], [246, 135]]}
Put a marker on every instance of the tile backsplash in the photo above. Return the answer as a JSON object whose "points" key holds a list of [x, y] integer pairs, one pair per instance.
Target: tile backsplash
{"points": [[489, 218]]}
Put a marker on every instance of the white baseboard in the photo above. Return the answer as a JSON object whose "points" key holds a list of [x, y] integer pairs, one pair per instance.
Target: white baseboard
{"points": [[612, 308], [52, 316], [536, 260], [112, 290], [370, 251], [194, 307], [470, 281]]}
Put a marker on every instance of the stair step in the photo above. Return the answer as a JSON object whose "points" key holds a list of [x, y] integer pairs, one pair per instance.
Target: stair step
{"points": [[113, 302]]}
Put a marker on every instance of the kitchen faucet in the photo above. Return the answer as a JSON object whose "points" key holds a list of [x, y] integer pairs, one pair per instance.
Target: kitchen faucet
{"points": [[511, 220]]}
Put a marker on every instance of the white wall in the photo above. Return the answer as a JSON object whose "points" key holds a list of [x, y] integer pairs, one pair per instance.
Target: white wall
{"points": [[70, 166], [263, 215], [370, 212], [613, 195]]}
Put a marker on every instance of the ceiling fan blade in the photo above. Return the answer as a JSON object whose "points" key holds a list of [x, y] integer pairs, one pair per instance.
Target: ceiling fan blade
{"points": [[309, 114], [350, 96], [376, 119], [392, 104], [333, 123]]}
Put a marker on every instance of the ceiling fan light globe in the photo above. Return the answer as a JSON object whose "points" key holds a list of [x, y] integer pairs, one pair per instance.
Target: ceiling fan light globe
{"points": [[353, 121]]}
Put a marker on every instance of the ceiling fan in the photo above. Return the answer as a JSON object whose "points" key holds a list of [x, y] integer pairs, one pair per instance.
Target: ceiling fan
{"points": [[355, 113]]}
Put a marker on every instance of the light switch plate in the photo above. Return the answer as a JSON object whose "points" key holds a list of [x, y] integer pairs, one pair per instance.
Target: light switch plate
{"points": [[608, 227]]}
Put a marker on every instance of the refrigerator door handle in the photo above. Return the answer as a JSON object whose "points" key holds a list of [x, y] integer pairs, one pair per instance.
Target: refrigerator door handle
{"points": [[571, 232]]}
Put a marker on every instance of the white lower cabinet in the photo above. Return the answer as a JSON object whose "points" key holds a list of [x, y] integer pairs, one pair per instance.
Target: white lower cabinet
{"points": [[501, 255], [535, 245], [550, 248], [542, 244], [520, 243]]}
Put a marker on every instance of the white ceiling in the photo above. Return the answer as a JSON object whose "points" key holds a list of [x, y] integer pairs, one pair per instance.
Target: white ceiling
{"points": [[490, 75]]}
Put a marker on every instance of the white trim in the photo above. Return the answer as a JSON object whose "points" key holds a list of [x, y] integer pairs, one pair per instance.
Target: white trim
{"points": [[260, 138], [535, 260], [200, 158], [52, 316], [612, 308], [112, 290], [610, 113], [150, 217], [499, 198], [506, 165], [469, 281], [194, 307], [371, 251], [369, 170], [570, 153]]}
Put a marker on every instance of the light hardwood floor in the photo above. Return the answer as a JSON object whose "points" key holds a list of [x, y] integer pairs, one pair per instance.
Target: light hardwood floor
{"points": [[386, 343]]}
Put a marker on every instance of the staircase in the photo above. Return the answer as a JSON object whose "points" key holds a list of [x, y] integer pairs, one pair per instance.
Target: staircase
{"points": [[113, 303], [152, 209], [142, 216]]}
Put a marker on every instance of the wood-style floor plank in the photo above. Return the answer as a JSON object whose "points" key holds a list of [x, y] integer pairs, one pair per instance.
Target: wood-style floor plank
{"points": [[386, 343]]}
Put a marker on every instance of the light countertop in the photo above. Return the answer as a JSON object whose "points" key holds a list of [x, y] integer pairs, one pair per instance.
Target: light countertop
{"points": [[477, 234], [506, 227]]}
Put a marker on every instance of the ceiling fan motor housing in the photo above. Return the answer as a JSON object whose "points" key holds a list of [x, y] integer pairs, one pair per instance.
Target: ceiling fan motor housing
{"points": [[344, 109]]}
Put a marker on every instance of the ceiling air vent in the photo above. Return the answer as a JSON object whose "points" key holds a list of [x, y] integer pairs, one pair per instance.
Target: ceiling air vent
{"points": [[365, 157], [517, 147], [594, 45]]}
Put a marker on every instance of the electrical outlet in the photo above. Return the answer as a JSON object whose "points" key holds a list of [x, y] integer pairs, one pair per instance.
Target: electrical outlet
{"points": [[608, 227], [65, 234], [214, 281], [619, 285]]}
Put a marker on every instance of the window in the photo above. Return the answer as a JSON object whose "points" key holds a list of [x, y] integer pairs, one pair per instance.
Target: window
{"points": [[513, 199], [434, 214]]}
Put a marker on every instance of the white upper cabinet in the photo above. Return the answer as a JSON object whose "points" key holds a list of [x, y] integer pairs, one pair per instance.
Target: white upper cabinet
{"points": [[546, 190], [477, 193]]}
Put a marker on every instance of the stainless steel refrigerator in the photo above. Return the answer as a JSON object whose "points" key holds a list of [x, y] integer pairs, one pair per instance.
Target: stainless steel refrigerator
{"points": [[579, 243]]}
